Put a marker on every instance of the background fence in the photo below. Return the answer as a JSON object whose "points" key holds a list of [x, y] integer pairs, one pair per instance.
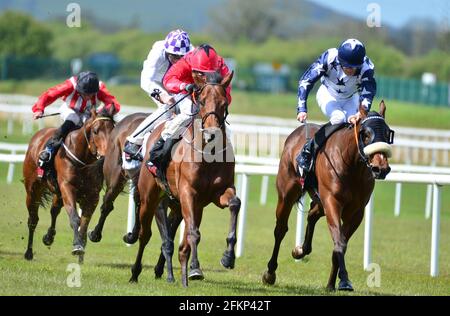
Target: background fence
{"points": [[271, 78]]}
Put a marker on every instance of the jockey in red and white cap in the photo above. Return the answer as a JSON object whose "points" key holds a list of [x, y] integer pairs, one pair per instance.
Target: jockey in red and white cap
{"points": [[179, 80], [81, 93], [161, 57]]}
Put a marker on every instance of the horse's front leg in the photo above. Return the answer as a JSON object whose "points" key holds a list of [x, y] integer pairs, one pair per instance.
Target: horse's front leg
{"points": [[69, 199], [54, 211], [229, 199], [333, 213], [192, 215]]}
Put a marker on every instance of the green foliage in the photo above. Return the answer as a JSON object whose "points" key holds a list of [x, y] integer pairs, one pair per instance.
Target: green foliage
{"points": [[22, 36], [437, 62]]}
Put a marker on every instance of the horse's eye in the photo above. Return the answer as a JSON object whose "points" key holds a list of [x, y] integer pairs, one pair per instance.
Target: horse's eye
{"points": [[95, 131], [369, 135]]}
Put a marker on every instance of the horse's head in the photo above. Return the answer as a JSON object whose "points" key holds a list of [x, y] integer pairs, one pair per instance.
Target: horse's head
{"points": [[97, 129], [375, 139], [211, 97]]}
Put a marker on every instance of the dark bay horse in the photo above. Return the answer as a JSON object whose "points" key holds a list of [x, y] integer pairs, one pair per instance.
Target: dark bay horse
{"points": [[78, 179], [194, 182], [346, 169], [115, 180]]}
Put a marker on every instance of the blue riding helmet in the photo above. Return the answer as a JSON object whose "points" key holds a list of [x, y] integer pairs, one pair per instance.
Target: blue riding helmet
{"points": [[87, 82], [351, 53]]}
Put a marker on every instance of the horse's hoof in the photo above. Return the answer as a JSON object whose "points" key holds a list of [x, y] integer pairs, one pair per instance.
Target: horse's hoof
{"points": [[133, 280], [269, 278], [228, 259], [196, 274], [29, 255], [170, 279], [330, 288], [159, 271], [80, 259], [345, 285], [129, 238], [47, 240], [298, 253], [94, 237], [78, 250]]}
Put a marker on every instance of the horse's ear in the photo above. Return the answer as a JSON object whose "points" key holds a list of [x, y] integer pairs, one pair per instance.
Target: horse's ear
{"points": [[226, 81], [382, 108], [111, 110], [362, 110], [93, 112]]}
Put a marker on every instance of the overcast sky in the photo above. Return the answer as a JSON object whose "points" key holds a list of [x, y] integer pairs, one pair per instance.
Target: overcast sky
{"points": [[394, 12]]}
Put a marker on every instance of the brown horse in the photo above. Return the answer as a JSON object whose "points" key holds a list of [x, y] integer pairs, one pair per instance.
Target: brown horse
{"points": [[116, 178], [194, 182], [346, 167], [78, 179]]}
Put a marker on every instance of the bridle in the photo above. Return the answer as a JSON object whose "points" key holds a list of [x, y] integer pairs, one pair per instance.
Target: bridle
{"points": [[72, 155], [195, 96], [379, 126], [100, 118]]}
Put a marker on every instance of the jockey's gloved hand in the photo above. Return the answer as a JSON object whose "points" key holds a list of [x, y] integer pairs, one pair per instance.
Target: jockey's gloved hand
{"points": [[189, 87], [37, 115]]}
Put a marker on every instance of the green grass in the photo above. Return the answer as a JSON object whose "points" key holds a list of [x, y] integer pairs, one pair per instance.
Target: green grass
{"points": [[401, 246], [255, 103]]}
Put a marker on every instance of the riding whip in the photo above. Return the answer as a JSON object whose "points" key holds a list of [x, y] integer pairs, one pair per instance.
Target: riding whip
{"points": [[170, 107], [47, 115]]}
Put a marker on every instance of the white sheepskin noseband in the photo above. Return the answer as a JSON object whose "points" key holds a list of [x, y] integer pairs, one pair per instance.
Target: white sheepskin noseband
{"points": [[378, 147]]}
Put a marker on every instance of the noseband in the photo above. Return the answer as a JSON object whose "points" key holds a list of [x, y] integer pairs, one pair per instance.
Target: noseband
{"points": [[381, 137]]}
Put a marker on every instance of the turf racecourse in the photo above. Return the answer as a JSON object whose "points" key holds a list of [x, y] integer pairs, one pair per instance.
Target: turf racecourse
{"points": [[401, 247]]}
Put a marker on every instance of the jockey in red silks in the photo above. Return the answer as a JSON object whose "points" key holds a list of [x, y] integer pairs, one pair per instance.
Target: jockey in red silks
{"points": [[81, 93], [163, 55], [179, 80]]}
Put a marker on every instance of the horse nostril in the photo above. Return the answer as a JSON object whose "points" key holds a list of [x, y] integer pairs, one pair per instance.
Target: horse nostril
{"points": [[375, 169]]}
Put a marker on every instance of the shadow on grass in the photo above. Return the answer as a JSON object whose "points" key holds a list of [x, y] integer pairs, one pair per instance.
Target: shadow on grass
{"points": [[11, 253], [285, 290], [149, 266]]}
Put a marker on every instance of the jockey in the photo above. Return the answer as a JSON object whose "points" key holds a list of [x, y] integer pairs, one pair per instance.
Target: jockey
{"points": [[80, 94], [347, 77], [179, 80], [160, 58]]}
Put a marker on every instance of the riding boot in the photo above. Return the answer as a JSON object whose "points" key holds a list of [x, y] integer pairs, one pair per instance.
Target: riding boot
{"points": [[306, 156], [304, 160], [160, 156], [132, 151], [154, 159], [52, 145]]}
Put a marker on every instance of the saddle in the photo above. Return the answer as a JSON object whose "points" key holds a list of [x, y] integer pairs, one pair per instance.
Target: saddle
{"points": [[309, 181]]}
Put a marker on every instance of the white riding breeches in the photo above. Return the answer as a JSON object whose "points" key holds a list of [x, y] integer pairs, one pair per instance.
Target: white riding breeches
{"points": [[338, 111], [187, 109], [68, 114]]}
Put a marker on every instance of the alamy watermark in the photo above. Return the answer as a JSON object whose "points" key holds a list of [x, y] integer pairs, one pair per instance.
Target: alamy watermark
{"points": [[74, 277], [374, 278], [374, 17], [74, 17]]}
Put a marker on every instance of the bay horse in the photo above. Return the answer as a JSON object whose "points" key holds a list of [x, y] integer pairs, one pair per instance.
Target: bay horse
{"points": [[194, 182], [78, 178], [346, 169], [115, 178]]}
